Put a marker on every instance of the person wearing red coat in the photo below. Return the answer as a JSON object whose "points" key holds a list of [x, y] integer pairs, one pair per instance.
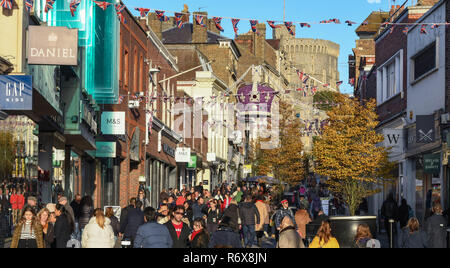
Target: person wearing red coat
{"points": [[17, 202]]}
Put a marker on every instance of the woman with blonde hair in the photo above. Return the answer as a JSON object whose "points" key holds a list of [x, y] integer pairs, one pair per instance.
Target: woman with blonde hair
{"points": [[363, 236], [412, 236], [28, 232], [98, 233], [289, 237], [47, 227], [324, 239]]}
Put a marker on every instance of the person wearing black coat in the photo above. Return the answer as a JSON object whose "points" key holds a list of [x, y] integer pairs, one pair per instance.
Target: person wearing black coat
{"points": [[225, 236], [200, 237], [248, 212], [5, 204], [403, 213], [49, 237], [4, 227], [389, 210], [178, 230], [412, 236], [124, 211], [63, 227], [232, 212], [87, 211], [135, 218], [435, 228]]}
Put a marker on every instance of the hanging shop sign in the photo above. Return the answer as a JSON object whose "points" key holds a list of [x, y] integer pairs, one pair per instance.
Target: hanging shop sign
{"points": [[211, 157], [113, 123], [104, 149], [183, 155], [169, 150], [247, 169], [425, 131], [193, 162], [52, 45], [432, 163], [394, 139], [16, 92], [134, 146]]}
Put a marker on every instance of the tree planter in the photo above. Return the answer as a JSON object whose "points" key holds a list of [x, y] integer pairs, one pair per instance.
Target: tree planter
{"points": [[344, 228]]}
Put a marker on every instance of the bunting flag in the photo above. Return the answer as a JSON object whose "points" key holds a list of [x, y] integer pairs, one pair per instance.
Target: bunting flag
{"points": [[434, 26], [29, 5], [299, 89], [143, 11], [304, 24], [289, 28], [73, 6], [200, 19], [160, 15], [339, 83], [235, 23], [336, 21], [405, 30], [49, 5], [102, 5], [350, 23], [121, 97], [179, 20], [218, 21], [253, 24], [272, 24], [423, 30], [119, 9], [6, 4], [300, 75]]}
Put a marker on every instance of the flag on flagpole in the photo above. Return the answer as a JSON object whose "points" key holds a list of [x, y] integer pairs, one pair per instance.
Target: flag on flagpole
{"points": [[143, 11], [289, 28], [29, 5], [6, 4], [253, 24], [49, 5], [73, 6], [119, 9], [235, 23], [160, 15], [200, 19], [179, 20], [218, 21], [272, 24], [102, 5]]}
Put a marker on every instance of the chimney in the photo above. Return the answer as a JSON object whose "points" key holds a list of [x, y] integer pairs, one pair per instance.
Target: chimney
{"points": [[200, 34], [155, 24], [393, 9]]}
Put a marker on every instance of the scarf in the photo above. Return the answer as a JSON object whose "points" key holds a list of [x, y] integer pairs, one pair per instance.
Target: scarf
{"points": [[194, 234]]}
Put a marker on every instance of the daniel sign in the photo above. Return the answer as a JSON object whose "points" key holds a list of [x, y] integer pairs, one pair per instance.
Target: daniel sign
{"points": [[52, 45]]}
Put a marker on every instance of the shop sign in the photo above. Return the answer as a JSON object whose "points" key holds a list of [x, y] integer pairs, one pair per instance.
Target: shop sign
{"points": [[394, 139], [247, 169], [168, 150], [52, 45], [432, 163], [183, 155], [104, 149], [425, 131], [211, 157], [193, 162], [113, 123], [16, 92], [134, 145]]}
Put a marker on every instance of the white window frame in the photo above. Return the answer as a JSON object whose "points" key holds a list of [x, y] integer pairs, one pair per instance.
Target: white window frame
{"points": [[383, 95], [413, 79]]}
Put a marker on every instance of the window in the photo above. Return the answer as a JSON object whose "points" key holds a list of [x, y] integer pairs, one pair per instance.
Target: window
{"points": [[391, 83], [425, 61], [135, 71], [126, 71], [389, 78]]}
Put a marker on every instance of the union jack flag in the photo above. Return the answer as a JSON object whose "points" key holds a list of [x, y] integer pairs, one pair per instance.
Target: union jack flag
{"points": [[253, 24], [29, 5], [200, 20], [49, 5], [303, 77], [339, 83], [73, 6], [350, 23], [178, 20], [121, 97], [102, 5], [6, 4], [337, 21], [304, 24], [405, 30], [143, 11], [289, 27], [272, 24], [218, 21], [434, 26], [160, 15], [235, 23], [423, 30], [119, 9]]}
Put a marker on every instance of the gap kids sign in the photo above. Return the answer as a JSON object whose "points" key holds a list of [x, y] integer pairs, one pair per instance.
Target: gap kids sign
{"points": [[16, 92]]}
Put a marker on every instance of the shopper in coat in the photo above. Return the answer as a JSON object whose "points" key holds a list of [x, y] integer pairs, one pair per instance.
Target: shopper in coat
{"points": [[263, 227], [289, 238], [141, 197], [28, 232], [248, 213], [200, 236], [232, 212], [152, 234], [109, 213], [302, 218], [48, 230], [130, 225], [435, 228], [213, 216], [324, 239], [363, 236], [98, 233], [86, 212], [64, 226], [178, 230], [63, 201], [225, 236], [412, 237], [403, 213]]}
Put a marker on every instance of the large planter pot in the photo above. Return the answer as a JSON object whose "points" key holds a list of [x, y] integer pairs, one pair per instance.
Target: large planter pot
{"points": [[344, 228]]}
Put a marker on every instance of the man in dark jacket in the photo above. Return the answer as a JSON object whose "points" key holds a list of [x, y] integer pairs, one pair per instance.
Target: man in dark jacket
{"points": [[389, 211], [248, 212], [225, 236], [76, 206], [233, 213], [4, 200], [4, 226], [124, 211], [178, 230], [134, 219], [152, 234], [435, 228], [198, 208]]}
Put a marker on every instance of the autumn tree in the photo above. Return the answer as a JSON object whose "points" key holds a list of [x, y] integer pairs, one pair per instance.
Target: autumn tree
{"points": [[347, 152], [285, 159], [7, 153]]}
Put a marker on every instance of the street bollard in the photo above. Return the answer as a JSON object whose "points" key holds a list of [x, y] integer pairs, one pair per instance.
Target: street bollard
{"points": [[391, 240]]}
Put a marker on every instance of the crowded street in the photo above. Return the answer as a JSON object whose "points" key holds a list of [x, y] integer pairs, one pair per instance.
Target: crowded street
{"points": [[239, 124]]}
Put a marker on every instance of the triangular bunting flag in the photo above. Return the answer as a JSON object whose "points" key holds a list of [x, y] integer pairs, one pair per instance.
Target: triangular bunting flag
{"points": [[49, 5], [272, 24], [179, 20], [102, 5], [253, 24], [289, 28], [29, 5], [73, 6], [235, 23], [218, 21], [119, 9], [6, 4], [200, 19], [143, 11], [160, 15]]}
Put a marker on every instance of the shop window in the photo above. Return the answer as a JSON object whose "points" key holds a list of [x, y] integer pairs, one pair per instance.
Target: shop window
{"points": [[425, 61]]}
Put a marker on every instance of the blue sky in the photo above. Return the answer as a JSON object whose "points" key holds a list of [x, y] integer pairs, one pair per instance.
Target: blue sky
{"points": [[296, 10]]}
